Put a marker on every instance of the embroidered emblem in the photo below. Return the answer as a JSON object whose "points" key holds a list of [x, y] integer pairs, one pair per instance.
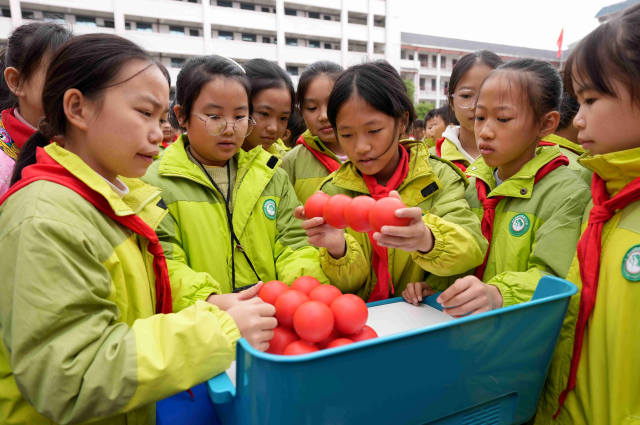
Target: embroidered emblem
{"points": [[519, 225], [269, 208], [631, 264]]}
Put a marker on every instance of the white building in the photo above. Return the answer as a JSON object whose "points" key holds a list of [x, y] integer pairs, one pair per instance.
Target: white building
{"points": [[293, 34]]}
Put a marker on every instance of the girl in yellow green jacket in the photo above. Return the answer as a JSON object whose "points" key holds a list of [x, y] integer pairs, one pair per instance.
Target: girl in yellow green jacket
{"points": [[83, 276], [369, 108], [273, 98], [230, 221], [458, 142], [594, 378], [318, 153], [529, 202]]}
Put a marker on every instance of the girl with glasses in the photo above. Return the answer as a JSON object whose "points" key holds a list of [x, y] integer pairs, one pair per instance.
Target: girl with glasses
{"points": [[458, 143], [230, 222]]}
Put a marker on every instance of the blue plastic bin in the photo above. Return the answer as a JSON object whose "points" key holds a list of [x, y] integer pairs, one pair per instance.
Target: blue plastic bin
{"points": [[483, 369]]}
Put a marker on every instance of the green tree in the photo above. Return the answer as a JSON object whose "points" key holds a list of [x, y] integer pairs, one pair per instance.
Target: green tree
{"points": [[411, 88], [422, 108]]}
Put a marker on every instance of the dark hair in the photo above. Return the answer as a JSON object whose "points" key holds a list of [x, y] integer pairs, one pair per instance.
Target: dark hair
{"points": [[172, 118], [198, 71], [418, 124], [164, 71], [611, 51], [468, 61], [330, 69], [89, 63], [25, 49], [442, 112], [428, 116], [265, 75], [379, 84], [568, 109], [296, 126], [539, 80]]}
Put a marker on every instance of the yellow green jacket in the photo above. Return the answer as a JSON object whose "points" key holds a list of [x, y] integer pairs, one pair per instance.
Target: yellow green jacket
{"points": [[536, 227], [572, 151], [451, 153], [430, 143], [305, 171], [195, 234], [607, 383], [437, 187], [80, 338], [278, 149]]}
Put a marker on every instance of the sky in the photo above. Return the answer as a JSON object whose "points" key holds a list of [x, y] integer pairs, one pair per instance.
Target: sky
{"points": [[528, 23]]}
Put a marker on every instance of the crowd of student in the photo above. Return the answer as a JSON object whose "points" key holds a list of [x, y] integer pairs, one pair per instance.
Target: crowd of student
{"points": [[133, 229]]}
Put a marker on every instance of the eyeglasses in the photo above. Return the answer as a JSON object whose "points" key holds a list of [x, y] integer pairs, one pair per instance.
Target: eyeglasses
{"points": [[215, 125], [465, 98]]}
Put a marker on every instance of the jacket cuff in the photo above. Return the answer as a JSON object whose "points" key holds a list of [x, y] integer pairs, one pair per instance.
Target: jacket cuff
{"points": [[326, 258], [438, 244], [227, 324], [505, 291]]}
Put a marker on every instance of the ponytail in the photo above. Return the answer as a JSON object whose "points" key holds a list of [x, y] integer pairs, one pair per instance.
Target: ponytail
{"points": [[27, 154]]}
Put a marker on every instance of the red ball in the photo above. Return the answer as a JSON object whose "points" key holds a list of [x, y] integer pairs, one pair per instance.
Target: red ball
{"points": [[314, 205], [325, 342], [339, 342], [383, 213], [300, 347], [357, 213], [282, 338], [363, 335], [313, 321], [325, 294], [305, 284], [334, 211], [350, 313], [270, 291], [286, 306]]}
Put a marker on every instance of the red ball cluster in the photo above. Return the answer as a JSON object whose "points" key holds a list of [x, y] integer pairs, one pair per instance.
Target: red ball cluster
{"points": [[313, 317], [361, 213]]}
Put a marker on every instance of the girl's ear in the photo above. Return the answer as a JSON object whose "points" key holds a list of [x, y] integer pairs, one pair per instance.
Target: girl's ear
{"points": [[404, 122], [77, 109], [180, 116], [12, 77], [549, 124]]}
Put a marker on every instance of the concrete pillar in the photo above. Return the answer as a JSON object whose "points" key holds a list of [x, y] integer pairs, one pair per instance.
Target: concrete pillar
{"points": [[280, 32], [16, 13], [393, 30], [438, 88], [344, 41], [416, 84], [370, 28], [118, 16], [206, 26]]}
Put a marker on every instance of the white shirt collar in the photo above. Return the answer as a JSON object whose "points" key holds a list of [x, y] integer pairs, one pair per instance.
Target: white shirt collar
{"points": [[453, 134]]}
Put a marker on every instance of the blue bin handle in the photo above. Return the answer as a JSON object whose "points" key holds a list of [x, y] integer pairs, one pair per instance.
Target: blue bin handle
{"points": [[221, 389], [551, 286]]}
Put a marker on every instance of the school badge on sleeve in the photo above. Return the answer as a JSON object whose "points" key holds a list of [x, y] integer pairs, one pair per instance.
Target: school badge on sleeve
{"points": [[631, 264], [269, 208], [519, 225]]}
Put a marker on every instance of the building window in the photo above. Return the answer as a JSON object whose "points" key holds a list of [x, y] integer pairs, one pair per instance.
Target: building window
{"points": [[433, 84], [144, 27], [292, 70], [327, 17], [108, 23], [247, 6], [290, 12], [266, 40], [127, 25], [6, 13], [434, 61], [177, 62], [222, 3], [314, 43], [28, 15], [58, 18], [85, 21], [194, 33], [410, 56], [423, 83], [225, 35], [446, 88], [265, 9], [443, 62], [424, 60], [453, 63], [249, 37], [176, 30], [327, 46], [291, 41], [314, 15]]}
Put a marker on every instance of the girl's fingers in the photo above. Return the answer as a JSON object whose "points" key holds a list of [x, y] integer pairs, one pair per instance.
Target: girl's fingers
{"points": [[412, 293], [299, 213], [466, 308], [401, 231], [313, 222], [464, 297], [458, 286], [427, 292], [395, 194], [414, 213], [392, 240]]}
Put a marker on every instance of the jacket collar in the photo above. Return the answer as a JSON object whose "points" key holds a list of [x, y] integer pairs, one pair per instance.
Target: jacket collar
{"points": [[523, 179], [452, 148], [565, 143], [315, 143], [421, 181], [617, 169], [139, 196]]}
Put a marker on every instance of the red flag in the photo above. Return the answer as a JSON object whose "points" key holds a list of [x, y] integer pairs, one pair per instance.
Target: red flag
{"points": [[559, 44]]}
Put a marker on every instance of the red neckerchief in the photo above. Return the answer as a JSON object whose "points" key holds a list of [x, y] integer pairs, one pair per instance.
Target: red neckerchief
{"points": [[545, 143], [380, 258], [329, 163], [18, 131], [167, 144], [489, 205], [48, 169], [589, 252], [458, 164]]}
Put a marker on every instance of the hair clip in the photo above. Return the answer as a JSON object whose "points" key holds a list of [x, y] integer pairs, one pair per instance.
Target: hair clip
{"points": [[236, 63]]}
